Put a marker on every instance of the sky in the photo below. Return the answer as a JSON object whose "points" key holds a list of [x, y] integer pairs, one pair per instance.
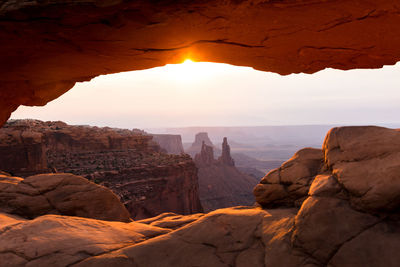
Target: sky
{"points": [[213, 94]]}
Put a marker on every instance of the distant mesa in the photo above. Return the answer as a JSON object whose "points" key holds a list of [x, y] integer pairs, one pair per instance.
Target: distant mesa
{"points": [[198, 143], [171, 143], [200, 138]]}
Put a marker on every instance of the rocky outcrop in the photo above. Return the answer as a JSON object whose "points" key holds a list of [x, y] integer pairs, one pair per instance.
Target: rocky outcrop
{"points": [[352, 204], [220, 183], [197, 145], [333, 227], [63, 194], [289, 184], [226, 158], [146, 180], [50, 45], [171, 143], [29, 147], [365, 162], [205, 157]]}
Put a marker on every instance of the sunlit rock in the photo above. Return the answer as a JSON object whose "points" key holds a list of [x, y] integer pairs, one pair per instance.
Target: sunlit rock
{"points": [[49, 45]]}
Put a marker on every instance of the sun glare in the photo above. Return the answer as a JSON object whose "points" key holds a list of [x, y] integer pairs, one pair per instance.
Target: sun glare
{"points": [[190, 71]]}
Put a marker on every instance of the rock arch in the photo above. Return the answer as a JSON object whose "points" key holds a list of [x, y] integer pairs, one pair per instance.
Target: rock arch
{"points": [[47, 46]]}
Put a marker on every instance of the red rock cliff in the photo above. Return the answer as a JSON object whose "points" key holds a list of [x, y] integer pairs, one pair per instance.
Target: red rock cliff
{"points": [[147, 181]]}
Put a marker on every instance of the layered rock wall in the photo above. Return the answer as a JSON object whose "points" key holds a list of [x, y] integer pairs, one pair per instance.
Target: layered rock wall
{"points": [[147, 181]]}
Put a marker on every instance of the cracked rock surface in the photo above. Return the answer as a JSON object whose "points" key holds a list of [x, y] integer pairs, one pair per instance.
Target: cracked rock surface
{"points": [[48, 46]]}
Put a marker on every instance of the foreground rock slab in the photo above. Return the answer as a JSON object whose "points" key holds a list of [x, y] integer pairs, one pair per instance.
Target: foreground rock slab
{"points": [[226, 237], [54, 240]]}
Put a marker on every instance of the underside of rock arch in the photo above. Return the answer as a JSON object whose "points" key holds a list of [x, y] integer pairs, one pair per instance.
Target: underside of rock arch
{"points": [[48, 46]]}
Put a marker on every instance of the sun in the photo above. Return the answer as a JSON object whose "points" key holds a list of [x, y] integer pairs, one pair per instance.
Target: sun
{"points": [[188, 61], [191, 72]]}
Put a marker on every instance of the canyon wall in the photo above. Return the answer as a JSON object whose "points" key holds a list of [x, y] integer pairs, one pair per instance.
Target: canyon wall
{"points": [[146, 180]]}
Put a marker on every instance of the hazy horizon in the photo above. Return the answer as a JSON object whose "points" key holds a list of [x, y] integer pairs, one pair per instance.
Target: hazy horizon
{"points": [[221, 95]]}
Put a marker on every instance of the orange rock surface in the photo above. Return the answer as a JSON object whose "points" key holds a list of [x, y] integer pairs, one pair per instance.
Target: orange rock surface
{"points": [[47, 46]]}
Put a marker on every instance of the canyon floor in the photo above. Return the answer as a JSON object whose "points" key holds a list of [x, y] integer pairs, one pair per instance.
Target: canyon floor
{"points": [[335, 206]]}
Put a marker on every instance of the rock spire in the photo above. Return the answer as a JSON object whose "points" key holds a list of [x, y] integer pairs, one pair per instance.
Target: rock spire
{"points": [[226, 158]]}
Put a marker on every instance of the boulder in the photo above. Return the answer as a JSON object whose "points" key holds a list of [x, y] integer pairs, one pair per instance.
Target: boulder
{"points": [[366, 162], [288, 185], [63, 194]]}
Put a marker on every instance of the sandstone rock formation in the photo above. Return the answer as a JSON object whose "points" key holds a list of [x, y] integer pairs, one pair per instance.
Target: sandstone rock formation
{"points": [[226, 158], [50, 45], [205, 157], [220, 183], [197, 145], [54, 240], [171, 220], [365, 162], [288, 185], [352, 204], [334, 226], [146, 180], [63, 194], [171, 143], [244, 163]]}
